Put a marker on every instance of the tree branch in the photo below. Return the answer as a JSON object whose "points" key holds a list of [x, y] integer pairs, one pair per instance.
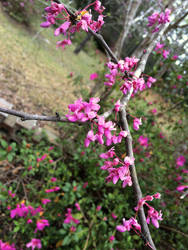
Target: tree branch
{"points": [[25, 116], [136, 186]]}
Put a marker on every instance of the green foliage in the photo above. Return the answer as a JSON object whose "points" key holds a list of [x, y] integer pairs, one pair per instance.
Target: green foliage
{"points": [[20, 10], [75, 165]]}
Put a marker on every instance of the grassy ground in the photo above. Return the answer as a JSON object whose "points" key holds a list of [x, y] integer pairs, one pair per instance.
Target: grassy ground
{"points": [[33, 73]]}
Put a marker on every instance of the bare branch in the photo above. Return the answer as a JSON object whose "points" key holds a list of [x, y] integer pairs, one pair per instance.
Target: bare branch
{"points": [[25, 116]]}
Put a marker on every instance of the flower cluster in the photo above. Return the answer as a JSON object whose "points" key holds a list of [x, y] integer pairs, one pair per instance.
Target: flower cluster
{"points": [[157, 19], [128, 65], [41, 224], [54, 189], [70, 218], [117, 169], [136, 123], [159, 49], [152, 215], [34, 243], [22, 210], [83, 111], [143, 141], [104, 130], [128, 225], [6, 246], [180, 162], [73, 22]]}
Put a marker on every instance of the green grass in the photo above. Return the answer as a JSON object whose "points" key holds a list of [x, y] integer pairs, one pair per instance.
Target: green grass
{"points": [[34, 69]]}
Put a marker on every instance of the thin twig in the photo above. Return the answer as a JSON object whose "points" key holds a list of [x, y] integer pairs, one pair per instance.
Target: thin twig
{"points": [[173, 230], [89, 233]]}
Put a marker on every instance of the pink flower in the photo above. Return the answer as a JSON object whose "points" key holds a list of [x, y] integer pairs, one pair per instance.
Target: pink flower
{"points": [[159, 46], [69, 218], [143, 141], [185, 171], [181, 188], [114, 216], [111, 238], [117, 106], [45, 201], [108, 154], [98, 208], [77, 206], [52, 190], [166, 53], [41, 224], [46, 24], [180, 161], [98, 7], [136, 123], [29, 168], [62, 29], [50, 148], [22, 211], [34, 243], [72, 229], [154, 216], [154, 111], [94, 76], [63, 43], [150, 81], [90, 137], [161, 135], [11, 194], [175, 57], [85, 184], [179, 77], [53, 179], [6, 246], [29, 221], [128, 225]]}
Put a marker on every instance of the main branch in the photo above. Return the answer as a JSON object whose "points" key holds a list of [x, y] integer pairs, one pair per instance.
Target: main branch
{"points": [[25, 116]]}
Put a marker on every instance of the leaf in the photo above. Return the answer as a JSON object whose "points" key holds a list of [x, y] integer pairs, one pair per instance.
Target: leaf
{"points": [[66, 241], [4, 143], [78, 216], [10, 157], [16, 229]]}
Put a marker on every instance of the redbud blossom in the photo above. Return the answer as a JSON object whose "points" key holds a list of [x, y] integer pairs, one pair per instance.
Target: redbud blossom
{"points": [[114, 216], [69, 218], [6, 246], [128, 225], [34, 243], [77, 206], [111, 238], [98, 208], [136, 123], [143, 141], [41, 224], [45, 201], [166, 53], [179, 77], [94, 76], [180, 161]]}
